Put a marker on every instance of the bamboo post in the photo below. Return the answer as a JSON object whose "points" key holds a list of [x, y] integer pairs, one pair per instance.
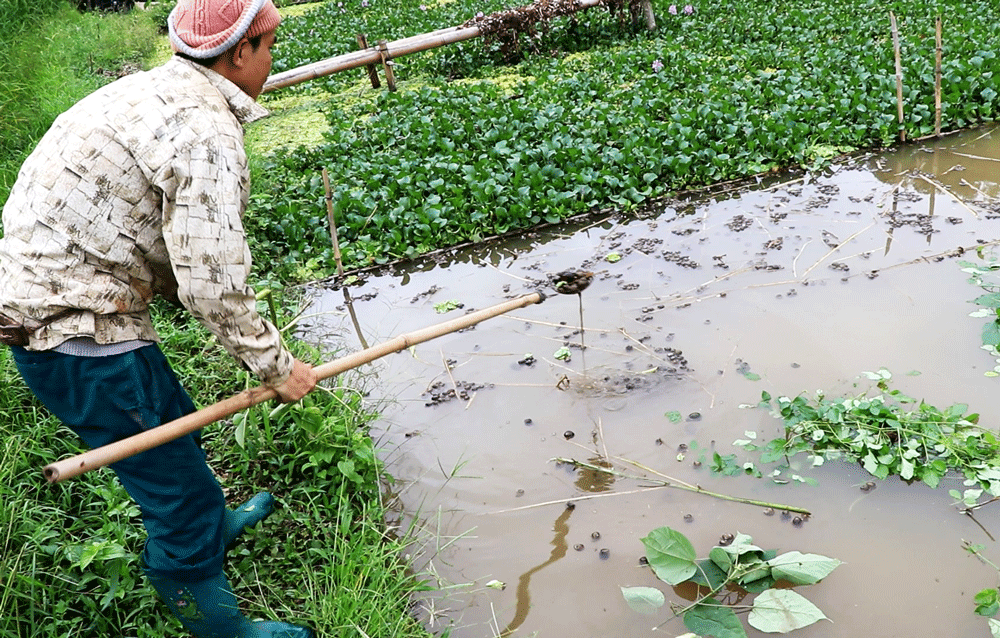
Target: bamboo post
{"points": [[148, 439], [387, 63], [372, 70], [647, 10], [899, 77], [333, 224], [937, 77]]}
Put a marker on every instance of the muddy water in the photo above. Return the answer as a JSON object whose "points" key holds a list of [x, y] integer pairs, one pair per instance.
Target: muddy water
{"points": [[805, 281]]}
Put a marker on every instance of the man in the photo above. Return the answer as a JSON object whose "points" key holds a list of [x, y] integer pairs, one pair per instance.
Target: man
{"points": [[138, 191]]}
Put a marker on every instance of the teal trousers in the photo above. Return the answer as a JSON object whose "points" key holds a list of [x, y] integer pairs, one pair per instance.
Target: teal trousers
{"points": [[105, 399]]}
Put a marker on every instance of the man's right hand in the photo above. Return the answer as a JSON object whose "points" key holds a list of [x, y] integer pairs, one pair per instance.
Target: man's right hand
{"points": [[301, 382]]}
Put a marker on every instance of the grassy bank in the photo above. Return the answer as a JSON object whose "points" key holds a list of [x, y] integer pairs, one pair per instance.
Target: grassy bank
{"points": [[69, 553], [597, 113]]}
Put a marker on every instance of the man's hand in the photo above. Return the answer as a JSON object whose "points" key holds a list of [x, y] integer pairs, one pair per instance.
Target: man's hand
{"points": [[299, 384]]}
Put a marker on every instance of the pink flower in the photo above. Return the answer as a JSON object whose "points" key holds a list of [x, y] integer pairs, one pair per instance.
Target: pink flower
{"points": [[672, 9], [364, 3], [657, 66], [688, 9]]}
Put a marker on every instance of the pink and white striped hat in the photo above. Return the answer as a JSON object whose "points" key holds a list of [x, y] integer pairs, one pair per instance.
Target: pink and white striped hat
{"points": [[205, 28]]}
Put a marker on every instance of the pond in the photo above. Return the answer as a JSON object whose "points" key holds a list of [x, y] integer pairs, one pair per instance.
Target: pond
{"points": [[789, 285]]}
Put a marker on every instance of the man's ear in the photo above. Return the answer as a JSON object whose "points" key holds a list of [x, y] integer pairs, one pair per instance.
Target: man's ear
{"points": [[240, 53]]}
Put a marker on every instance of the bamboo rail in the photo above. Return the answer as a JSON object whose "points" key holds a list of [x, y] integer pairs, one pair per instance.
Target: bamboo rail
{"points": [[372, 55], [113, 452]]}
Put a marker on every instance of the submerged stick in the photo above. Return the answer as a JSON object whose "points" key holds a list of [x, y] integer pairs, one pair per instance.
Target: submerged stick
{"points": [[683, 486], [148, 439]]}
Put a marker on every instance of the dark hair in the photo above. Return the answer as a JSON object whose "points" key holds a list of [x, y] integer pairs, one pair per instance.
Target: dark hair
{"points": [[207, 62]]}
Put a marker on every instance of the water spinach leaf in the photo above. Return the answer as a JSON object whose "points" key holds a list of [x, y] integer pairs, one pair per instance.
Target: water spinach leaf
{"points": [[782, 611], [671, 555], [645, 600]]}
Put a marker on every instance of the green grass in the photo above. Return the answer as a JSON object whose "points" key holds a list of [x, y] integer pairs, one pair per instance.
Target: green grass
{"points": [[69, 552], [57, 56]]}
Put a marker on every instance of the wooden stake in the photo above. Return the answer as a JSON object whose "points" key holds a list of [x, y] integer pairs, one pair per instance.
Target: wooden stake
{"points": [[333, 224], [647, 10], [937, 78], [372, 69], [899, 77], [148, 439], [390, 77]]}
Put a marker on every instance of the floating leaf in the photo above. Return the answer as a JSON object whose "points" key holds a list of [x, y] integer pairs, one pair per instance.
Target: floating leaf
{"points": [[612, 257], [446, 306], [802, 569], [712, 619], [671, 555], [674, 416], [994, 627], [782, 611], [563, 354], [645, 600], [987, 602]]}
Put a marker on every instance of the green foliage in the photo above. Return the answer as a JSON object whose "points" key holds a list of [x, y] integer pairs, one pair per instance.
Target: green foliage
{"points": [[609, 116], [53, 57], [888, 433], [985, 275], [737, 566]]}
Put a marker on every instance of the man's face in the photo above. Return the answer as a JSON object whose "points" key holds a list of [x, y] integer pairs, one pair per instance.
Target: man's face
{"points": [[255, 64]]}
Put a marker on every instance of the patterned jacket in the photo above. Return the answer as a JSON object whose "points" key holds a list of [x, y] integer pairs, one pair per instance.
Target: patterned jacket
{"points": [[139, 190]]}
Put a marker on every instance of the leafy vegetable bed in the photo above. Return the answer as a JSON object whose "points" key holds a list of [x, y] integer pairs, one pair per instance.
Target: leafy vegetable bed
{"points": [[602, 114]]}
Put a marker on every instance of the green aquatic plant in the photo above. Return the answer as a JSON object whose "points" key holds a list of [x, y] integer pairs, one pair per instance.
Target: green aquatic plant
{"points": [[985, 275], [987, 600], [734, 568], [887, 433]]}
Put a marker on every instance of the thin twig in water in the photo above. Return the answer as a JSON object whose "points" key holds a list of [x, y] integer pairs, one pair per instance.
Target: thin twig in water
{"points": [[836, 248], [975, 157], [573, 499], [796, 260], [604, 444], [940, 187], [686, 487]]}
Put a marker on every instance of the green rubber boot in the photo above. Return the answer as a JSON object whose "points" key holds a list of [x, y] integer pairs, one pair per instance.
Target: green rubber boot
{"points": [[208, 609], [247, 515]]}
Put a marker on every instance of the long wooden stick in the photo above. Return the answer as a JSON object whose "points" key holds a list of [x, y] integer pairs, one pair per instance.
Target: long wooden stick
{"points": [[899, 77], [111, 453], [937, 77]]}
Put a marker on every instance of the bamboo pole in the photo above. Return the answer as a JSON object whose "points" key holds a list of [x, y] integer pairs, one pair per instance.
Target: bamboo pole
{"points": [[387, 63], [333, 224], [372, 69], [105, 455], [371, 55], [899, 76], [937, 77], [647, 10]]}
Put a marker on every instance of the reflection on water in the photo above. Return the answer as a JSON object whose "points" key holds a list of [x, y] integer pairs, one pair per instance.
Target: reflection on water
{"points": [[591, 480], [559, 547], [791, 285]]}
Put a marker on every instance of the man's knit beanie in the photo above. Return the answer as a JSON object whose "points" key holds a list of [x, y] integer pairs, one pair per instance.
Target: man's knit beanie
{"points": [[205, 28]]}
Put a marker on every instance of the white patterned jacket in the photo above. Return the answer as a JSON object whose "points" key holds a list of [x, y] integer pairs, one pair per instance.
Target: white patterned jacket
{"points": [[139, 190]]}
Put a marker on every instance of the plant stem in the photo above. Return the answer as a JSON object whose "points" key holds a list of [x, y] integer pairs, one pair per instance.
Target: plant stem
{"points": [[682, 486]]}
